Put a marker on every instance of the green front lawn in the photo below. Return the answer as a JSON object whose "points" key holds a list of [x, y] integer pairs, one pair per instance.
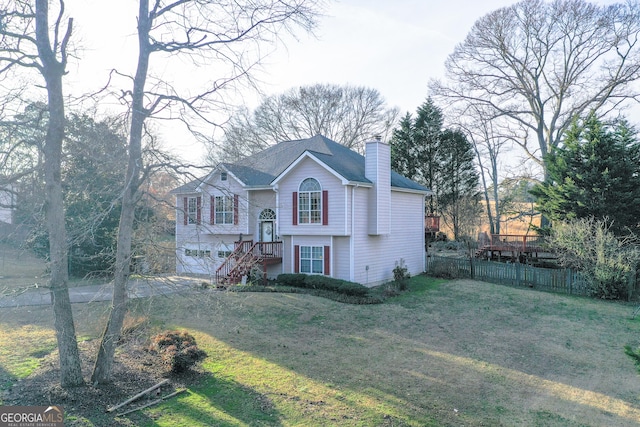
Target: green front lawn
{"points": [[444, 353]]}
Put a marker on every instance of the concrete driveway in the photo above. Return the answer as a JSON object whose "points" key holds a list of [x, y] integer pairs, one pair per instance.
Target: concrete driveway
{"points": [[138, 288]]}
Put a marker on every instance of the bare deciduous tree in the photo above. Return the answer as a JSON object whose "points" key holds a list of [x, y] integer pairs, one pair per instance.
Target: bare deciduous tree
{"points": [[347, 114], [489, 141], [29, 40], [208, 33], [538, 64]]}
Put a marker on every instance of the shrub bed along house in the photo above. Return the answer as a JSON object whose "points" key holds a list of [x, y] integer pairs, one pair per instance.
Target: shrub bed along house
{"points": [[330, 288], [299, 280]]}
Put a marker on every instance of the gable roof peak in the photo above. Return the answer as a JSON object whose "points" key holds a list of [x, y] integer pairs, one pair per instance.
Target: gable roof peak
{"points": [[262, 168]]}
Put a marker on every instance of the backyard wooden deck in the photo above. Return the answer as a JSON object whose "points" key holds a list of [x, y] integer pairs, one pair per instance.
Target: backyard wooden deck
{"points": [[515, 247]]}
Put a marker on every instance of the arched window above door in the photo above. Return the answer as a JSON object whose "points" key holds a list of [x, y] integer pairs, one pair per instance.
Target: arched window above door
{"points": [[267, 215]]}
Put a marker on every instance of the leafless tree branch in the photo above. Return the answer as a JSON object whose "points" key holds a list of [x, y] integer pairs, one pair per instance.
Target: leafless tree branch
{"points": [[538, 64]]}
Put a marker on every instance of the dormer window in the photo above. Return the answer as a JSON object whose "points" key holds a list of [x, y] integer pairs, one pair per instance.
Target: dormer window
{"points": [[223, 176]]}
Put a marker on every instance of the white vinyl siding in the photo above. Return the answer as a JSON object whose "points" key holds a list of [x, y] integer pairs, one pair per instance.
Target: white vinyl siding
{"points": [[341, 258], [211, 239], [377, 169], [376, 255], [308, 168], [407, 236], [7, 201]]}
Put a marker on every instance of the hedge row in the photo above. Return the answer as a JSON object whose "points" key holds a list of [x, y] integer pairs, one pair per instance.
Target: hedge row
{"points": [[299, 280], [370, 298]]}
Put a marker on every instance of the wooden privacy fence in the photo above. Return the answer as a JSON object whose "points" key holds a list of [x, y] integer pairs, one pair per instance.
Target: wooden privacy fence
{"points": [[514, 274]]}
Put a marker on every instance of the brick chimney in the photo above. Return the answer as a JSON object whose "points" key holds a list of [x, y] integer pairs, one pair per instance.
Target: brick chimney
{"points": [[378, 170]]}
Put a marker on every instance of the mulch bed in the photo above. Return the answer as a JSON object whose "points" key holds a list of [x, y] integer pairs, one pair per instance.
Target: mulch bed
{"points": [[134, 370]]}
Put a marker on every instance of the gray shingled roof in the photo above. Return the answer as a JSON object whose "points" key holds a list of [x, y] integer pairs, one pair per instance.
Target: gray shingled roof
{"points": [[262, 168]]}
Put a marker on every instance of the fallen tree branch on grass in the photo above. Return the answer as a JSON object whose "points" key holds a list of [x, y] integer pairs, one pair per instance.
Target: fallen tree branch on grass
{"points": [[154, 402], [137, 396]]}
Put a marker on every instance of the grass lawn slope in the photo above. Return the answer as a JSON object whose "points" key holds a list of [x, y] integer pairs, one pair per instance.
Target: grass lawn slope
{"points": [[445, 353]]}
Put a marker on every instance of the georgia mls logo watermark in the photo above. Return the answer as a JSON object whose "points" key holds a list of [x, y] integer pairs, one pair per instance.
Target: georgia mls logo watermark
{"points": [[31, 416]]}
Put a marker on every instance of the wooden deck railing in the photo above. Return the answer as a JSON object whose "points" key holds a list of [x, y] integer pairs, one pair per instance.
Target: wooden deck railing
{"points": [[514, 245], [246, 255], [516, 242], [432, 223], [241, 248]]}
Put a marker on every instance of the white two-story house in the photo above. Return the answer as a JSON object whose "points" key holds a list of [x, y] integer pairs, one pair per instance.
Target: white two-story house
{"points": [[307, 206], [7, 204]]}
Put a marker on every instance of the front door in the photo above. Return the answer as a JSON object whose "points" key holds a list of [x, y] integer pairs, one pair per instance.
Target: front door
{"points": [[266, 231]]}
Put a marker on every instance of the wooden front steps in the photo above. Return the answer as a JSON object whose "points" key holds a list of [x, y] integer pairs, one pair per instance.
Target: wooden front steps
{"points": [[246, 256]]}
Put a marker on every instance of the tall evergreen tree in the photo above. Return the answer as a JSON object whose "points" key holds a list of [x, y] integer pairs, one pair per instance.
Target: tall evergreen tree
{"points": [[92, 182], [596, 173], [415, 145], [402, 143], [91, 185], [442, 160]]}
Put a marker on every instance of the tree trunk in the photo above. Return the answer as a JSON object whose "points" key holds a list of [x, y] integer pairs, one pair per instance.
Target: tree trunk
{"points": [[104, 361], [485, 191], [545, 223], [52, 71], [496, 196]]}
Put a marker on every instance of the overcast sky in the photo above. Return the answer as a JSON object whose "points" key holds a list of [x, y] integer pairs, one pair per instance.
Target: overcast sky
{"points": [[394, 46]]}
